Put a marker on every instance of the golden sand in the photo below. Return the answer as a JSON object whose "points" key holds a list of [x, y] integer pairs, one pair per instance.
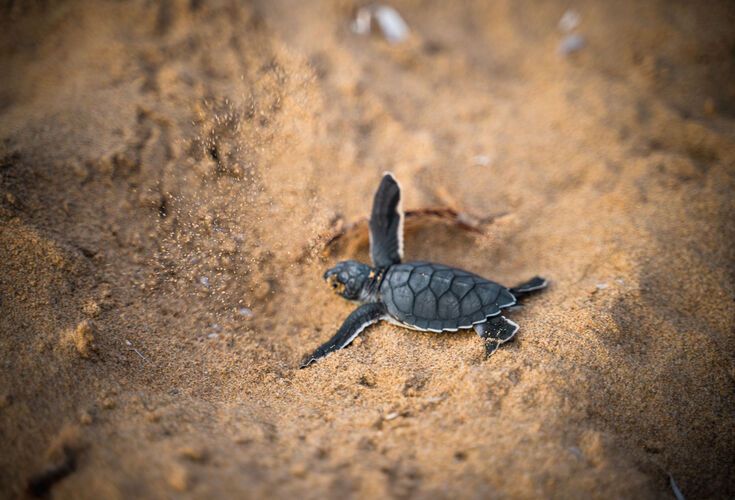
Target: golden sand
{"points": [[169, 171]]}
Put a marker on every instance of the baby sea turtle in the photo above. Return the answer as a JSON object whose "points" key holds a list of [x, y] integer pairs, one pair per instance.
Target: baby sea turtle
{"points": [[417, 295]]}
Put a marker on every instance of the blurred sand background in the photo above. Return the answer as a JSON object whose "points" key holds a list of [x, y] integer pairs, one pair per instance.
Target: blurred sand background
{"points": [[169, 173]]}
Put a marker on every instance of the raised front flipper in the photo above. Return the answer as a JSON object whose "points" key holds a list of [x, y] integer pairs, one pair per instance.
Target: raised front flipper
{"points": [[386, 224], [356, 322]]}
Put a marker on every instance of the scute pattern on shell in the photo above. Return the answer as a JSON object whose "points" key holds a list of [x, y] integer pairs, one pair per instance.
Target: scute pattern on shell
{"points": [[435, 297]]}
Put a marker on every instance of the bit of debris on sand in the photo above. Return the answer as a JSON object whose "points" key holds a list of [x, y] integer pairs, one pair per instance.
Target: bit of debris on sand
{"points": [[81, 338], [387, 19]]}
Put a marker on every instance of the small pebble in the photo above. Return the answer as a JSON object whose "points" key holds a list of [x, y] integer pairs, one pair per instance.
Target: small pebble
{"points": [[388, 20], [481, 160], [213, 335], [204, 281], [82, 338], [193, 453], [601, 286], [361, 24], [391, 416], [178, 478], [571, 44], [569, 21], [246, 312], [262, 290], [367, 379], [298, 470], [391, 23], [153, 416]]}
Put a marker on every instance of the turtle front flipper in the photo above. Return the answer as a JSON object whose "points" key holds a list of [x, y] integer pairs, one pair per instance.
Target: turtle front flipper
{"points": [[356, 322], [386, 224], [496, 331]]}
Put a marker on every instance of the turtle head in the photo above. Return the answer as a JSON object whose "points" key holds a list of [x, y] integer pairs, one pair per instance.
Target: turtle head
{"points": [[348, 279]]}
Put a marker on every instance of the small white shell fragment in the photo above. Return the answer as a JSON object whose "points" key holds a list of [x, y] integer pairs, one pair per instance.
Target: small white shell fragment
{"points": [[361, 24], [204, 281], [391, 416], [391, 23], [245, 311], [569, 21], [570, 44], [481, 160], [213, 335], [601, 286], [388, 20]]}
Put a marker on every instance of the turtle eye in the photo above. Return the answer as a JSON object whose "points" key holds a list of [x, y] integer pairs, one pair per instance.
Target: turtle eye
{"points": [[332, 280]]}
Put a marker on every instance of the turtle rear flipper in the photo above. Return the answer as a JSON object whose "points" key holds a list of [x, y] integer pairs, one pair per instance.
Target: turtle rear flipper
{"points": [[496, 331], [356, 322], [533, 285]]}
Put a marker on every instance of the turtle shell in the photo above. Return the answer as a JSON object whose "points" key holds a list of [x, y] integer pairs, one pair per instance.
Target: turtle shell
{"points": [[429, 296]]}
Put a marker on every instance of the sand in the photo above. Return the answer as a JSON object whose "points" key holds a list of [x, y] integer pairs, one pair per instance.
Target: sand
{"points": [[170, 173]]}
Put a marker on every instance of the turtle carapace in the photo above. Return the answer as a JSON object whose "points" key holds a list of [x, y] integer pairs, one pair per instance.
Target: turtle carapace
{"points": [[417, 295]]}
